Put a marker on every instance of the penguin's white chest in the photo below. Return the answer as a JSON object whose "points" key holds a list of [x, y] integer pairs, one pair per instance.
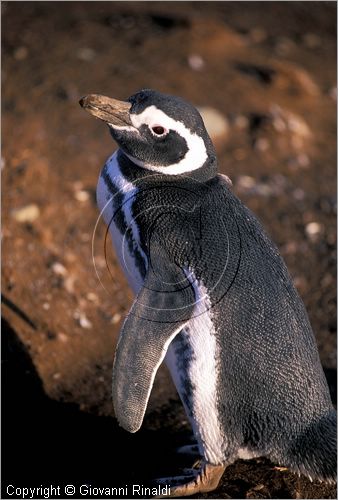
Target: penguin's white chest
{"points": [[192, 361], [115, 197]]}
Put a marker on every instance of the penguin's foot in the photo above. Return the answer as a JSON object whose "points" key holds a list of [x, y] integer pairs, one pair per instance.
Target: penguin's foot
{"points": [[201, 478]]}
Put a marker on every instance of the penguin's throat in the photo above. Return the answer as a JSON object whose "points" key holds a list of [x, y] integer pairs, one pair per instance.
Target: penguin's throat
{"points": [[140, 169]]}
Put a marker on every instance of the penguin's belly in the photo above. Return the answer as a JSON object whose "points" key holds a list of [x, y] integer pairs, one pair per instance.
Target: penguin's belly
{"points": [[192, 361], [115, 196]]}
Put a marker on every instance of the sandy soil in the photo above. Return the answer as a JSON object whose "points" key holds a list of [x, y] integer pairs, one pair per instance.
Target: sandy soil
{"points": [[270, 69]]}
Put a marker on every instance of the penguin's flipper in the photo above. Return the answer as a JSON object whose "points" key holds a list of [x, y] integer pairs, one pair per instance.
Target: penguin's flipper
{"points": [[205, 478], [161, 309]]}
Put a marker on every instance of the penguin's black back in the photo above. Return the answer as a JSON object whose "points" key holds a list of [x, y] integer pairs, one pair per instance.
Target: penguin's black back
{"points": [[272, 396]]}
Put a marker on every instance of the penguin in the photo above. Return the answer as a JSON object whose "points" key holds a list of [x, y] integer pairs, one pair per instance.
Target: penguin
{"points": [[213, 300]]}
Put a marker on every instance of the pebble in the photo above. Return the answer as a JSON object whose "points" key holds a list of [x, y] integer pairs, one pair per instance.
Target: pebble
{"points": [[312, 41], [327, 280], [258, 487], [258, 35], [81, 195], [241, 122], [313, 230], [300, 283], [46, 306], [303, 160], [100, 262], [290, 248], [262, 144], [83, 320], [62, 337], [284, 46], [264, 190], [245, 182], [333, 93], [116, 318], [216, 124], [297, 125], [70, 257], [305, 81], [69, 284], [298, 194], [196, 62], [279, 124], [92, 297], [20, 53], [85, 237], [56, 376], [283, 120], [86, 54], [59, 269], [29, 213]]}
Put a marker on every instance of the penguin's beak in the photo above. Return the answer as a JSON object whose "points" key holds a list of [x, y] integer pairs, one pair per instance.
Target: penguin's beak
{"points": [[107, 109]]}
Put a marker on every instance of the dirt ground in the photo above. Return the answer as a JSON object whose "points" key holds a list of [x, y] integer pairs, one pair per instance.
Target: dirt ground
{"points": [[269, 68]]}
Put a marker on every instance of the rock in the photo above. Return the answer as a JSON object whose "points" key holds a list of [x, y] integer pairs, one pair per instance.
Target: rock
{"points": [[290, 248], [245, 182], [216, 124], [264, 190], [311, 40], [69, 284], [257, 35], [298, 194], [29, 213], [300, 283], [86, 54], [262, 144], [303, 160], [116, 318], [100, 262], [92, 297], [298, 125], [283, 120], [82, 195], [284, 46], [291, 75], [333, 93], [196, 62], [82, 320], [20, 53], [313, 230], [62, 337], [59, 269], [241, 122]]}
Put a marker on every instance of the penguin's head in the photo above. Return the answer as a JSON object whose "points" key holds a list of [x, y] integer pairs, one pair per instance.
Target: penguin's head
{"points": [[158, 132]]}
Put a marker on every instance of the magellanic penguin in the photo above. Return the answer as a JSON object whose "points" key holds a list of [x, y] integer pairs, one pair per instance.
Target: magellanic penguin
{"points": [[214, 300]]}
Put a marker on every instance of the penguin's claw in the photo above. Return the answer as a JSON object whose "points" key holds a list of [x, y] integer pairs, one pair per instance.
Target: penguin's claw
{"points": [[201, 480]]}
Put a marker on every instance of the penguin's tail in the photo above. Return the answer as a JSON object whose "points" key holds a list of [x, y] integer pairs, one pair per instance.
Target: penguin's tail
{"points": [[314, 452]]}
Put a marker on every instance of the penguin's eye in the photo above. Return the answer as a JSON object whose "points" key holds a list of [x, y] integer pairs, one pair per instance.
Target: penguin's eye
{"points": [[158, 130]]}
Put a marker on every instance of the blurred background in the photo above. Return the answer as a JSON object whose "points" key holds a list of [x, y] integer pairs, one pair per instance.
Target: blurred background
{"points": [[264, 76]]}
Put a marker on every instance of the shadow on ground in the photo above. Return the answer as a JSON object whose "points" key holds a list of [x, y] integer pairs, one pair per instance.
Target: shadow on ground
{"points": [[49, 442]]}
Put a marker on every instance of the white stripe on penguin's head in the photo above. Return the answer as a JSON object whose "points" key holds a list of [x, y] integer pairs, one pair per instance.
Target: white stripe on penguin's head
{"points": [[196, 154]]}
